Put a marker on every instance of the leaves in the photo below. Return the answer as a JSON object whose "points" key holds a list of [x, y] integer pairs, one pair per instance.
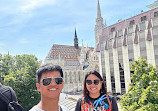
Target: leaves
{"points": [[19, 72], [143, 91]]}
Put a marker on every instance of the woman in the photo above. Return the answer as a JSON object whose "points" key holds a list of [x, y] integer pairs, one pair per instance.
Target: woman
{"points": [[95, 97]]}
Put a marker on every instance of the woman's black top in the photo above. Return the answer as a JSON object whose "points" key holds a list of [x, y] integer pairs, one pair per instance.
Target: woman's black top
{"points": [[89, 100]]}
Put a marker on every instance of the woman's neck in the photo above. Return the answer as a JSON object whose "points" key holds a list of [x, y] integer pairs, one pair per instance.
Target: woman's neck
{"points": [[96, 95]]}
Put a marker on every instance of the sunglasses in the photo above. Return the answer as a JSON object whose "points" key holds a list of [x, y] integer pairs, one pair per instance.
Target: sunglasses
{"points": [[89, 82], [47, 81]]}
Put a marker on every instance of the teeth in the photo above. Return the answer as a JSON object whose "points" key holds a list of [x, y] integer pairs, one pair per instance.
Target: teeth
{"points": [[93, 88], [53, 89]]}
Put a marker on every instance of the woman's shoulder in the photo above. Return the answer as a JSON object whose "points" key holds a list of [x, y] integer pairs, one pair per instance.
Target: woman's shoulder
{"points": [[80, 98], [111, 97]]}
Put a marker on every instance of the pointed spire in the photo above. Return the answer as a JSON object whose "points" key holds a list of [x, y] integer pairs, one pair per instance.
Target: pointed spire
{"points": [[75, 40], [75, 33], [98, 11]]}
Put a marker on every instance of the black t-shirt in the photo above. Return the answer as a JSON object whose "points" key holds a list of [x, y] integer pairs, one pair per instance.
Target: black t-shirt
{"points": [[114, 104]]}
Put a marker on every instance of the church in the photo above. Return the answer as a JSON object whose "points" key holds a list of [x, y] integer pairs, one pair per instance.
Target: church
{"points": [[75, 61], [123, 42]]}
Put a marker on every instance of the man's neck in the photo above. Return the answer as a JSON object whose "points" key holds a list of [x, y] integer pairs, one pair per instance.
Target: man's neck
{"points": [[49, 104]]}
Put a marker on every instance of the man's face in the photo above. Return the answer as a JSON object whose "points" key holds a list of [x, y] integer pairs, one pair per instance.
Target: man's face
{"points": [[52, 90]]}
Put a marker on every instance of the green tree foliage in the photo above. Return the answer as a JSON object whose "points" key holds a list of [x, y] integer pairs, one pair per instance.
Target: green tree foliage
{"points": [[143, 91], [19, 72]]}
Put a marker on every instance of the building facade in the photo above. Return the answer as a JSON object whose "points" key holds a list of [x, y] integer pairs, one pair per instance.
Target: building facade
{"points": [[75, 61], [123, 42]]}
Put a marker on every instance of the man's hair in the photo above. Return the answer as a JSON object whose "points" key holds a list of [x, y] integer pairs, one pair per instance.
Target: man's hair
{"points": [[48, 68], [102, 90]]}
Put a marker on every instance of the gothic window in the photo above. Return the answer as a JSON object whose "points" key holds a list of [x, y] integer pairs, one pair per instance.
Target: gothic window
{"points": [[79, 78], [65, 77], [120, 33], [156, 14], [132, 22], [130, 60], [143, 18], [75, 77], [113, 82], [122, 85], [113, 85], [113, 29], [70, 77]]}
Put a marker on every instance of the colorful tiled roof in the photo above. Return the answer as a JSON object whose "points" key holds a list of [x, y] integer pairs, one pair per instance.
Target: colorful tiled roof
{"points": [[63, 51]]}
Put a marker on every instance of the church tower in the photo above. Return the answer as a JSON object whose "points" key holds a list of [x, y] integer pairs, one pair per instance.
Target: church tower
{"points": [[99, 25], [76, 40]]}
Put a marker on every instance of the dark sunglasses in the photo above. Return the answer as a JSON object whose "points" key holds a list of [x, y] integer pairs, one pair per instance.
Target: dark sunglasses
{"points": [[89, 82], [47, 81]]}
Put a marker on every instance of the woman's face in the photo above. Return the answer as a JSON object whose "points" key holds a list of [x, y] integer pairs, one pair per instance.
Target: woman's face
{"points": [[93, 84]]}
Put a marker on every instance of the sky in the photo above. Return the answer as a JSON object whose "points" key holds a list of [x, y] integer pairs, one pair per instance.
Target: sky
{"points": [[33, 26]]}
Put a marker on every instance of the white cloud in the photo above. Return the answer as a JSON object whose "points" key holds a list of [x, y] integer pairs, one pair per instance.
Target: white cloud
{"points": [[28, 5]]}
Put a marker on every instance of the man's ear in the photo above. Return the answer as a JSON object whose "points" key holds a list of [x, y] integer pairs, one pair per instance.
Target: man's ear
{"points": [[38, 87]]}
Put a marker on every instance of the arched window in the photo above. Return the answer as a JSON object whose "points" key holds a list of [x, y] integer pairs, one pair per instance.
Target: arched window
{"points": [[79, 76], [65, 77], [74, 77], [70, 75]]}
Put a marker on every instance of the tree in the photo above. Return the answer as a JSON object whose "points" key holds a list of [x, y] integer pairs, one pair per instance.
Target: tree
{"points": [[19, 72], [143, 91]]}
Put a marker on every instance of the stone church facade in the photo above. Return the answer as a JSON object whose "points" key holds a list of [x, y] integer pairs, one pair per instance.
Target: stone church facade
{"points": [[75, 61], [123, 42]]}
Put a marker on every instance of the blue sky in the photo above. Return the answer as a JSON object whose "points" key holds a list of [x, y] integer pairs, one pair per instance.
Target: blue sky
{"points": [[33, 26]]}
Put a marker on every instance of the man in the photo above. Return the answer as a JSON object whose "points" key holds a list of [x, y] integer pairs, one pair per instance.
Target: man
{"points": [[50, 84]]}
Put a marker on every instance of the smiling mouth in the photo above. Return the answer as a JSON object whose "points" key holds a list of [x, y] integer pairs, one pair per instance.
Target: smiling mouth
{"points": [[93, 88], [53, 89]]}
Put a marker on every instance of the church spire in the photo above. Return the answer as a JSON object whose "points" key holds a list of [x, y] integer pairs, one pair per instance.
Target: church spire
{"points": [[99, 26], [75, 33], [76, 40], [98, 11]]}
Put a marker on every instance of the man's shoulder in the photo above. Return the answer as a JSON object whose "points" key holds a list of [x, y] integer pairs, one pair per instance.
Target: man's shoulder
{"points": [[35, 108]]}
